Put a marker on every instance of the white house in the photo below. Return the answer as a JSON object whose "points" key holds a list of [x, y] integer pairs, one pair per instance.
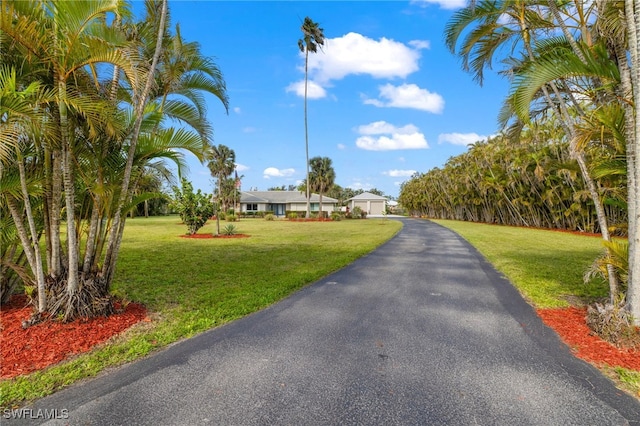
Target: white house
{"points": [[370, 203], [280, 202]]}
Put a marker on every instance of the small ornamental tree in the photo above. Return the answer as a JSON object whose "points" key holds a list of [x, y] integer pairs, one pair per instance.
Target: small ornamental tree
{"points": [[194, 208]]}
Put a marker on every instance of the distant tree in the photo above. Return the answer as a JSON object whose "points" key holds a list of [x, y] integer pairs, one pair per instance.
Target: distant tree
{"points": [[222, 162], [322, 176], [313, 36]]}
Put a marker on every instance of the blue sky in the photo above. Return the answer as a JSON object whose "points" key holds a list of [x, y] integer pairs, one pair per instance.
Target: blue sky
{"points": [[386, 98]]}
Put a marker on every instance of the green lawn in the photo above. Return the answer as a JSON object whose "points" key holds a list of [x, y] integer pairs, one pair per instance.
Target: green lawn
{"points": [[191, 285]]}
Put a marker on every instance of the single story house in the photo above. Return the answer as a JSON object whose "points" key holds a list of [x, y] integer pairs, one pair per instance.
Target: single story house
{"points": [[280, 202], [370, 203]]}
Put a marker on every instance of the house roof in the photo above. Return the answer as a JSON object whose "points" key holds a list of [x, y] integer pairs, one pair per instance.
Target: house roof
{"points": [[367, 196], [281, 197]]}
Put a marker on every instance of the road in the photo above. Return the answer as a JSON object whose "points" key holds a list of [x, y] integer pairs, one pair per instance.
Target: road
{"points": [[422, 331]]}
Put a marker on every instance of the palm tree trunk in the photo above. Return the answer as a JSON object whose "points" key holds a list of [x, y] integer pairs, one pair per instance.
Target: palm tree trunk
{"points": [[306, 131], [218, 205], [115, 236], [91, 239], [69, 194], [55, 266], [632, 134], [34, 247]]}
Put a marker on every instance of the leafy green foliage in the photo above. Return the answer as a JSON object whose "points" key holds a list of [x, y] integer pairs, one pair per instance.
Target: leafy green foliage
{"points": [[231, 217], [358, 213], [194, 208], [229, 230], [270, 217]]}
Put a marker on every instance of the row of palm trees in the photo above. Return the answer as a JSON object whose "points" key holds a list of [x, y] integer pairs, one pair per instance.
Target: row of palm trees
{"points": [[88, 95], [527, 182], [576, 66]]}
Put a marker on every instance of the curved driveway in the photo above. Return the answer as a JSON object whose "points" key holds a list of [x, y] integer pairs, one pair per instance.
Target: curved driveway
{"points": [[420, 332]]}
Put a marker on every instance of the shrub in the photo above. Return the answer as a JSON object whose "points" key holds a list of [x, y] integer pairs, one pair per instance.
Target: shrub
{"points": [[194, 208], [231, 211], [292, 215], [260, 214], [336, 216], [358, 213], [269, 216], [222, 215], [229, 229], [231, 217]]}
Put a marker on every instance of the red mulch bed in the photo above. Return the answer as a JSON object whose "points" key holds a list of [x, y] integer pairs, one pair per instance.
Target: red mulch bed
{"points": [[207, 236], [47, 343], [571, 326]]}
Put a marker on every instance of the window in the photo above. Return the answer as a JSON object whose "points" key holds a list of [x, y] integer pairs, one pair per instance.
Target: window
{"points": [[315, 207], [252, 207]]}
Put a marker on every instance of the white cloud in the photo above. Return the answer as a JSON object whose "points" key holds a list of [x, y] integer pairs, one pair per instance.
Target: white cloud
{"points": [[420, 44], [396, 141], [462, 139], [382, 127], [383, 136], [237, 110], [270, 172], [444, 4], [399, 173], [354, 53], [359, 185], [408, 96], [314, 90], [342, 146], [241, 167], [249, 129]]}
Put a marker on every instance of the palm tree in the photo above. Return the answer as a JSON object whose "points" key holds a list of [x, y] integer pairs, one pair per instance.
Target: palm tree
{"points": [[103, 147], [313, 36], [222, 163], [322, 176], [64, 51]]}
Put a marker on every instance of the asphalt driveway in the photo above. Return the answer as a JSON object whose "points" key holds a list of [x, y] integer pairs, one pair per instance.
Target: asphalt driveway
{"points": [[422, 331]]}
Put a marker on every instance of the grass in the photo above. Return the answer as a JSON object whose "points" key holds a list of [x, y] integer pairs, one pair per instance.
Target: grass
{"points": [[547, 268], [192, 285]]}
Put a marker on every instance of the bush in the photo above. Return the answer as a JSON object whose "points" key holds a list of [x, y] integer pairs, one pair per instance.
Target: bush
{"points": [[231, 217], [222, 215], [231, 211], [269, 216], [194, 208], [260, 214], [292, 215], [337, 216], [358, 213], [229, 230]]}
